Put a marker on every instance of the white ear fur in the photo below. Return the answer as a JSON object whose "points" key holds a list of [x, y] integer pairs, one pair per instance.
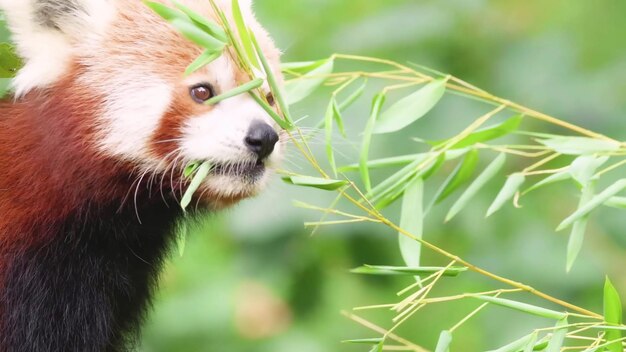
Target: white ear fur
{"points": [[47, 31]]}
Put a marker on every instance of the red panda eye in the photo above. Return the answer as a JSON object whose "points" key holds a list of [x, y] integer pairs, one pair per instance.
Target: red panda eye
{"points": [[201, 93], [270, 99]]}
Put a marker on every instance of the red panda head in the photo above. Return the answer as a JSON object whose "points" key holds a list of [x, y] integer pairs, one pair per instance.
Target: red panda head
{"points": [[149, 113]]}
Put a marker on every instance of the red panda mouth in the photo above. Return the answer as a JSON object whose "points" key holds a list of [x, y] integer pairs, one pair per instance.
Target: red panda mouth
{"points": [[248, 171]]}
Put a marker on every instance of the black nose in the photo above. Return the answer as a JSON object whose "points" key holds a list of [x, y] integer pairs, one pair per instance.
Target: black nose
{"points": [[261, 139]]}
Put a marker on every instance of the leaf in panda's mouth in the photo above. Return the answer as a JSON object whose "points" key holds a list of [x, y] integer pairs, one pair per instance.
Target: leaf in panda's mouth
{"points": [[201, 173], [198, 172]]}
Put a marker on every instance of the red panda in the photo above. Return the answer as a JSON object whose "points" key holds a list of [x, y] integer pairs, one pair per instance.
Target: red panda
{"points": [[93, 145]]}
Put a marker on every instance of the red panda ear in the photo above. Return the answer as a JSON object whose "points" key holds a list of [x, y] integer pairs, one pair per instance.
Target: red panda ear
{"points": [[47, 31]]}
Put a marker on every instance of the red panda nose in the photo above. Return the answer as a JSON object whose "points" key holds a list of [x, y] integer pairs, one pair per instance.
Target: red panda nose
{"points": [[261, 139]]}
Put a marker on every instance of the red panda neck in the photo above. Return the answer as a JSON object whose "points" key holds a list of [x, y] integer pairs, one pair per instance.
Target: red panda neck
{"points": [[69, 236], [50, 165]]}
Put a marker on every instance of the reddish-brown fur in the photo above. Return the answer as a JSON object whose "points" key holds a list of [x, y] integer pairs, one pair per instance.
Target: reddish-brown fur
{"points": [[48, 168]]}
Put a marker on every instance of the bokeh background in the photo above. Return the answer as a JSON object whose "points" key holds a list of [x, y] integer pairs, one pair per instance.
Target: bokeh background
{"points": [[253, 279]]}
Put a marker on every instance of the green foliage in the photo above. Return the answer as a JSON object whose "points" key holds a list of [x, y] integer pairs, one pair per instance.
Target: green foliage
{"points": [[524, 307], [411, 108], [488, 134], [10, 62], [398, 270], [412, 220], [510, 188], [316, 182], [558, 338], [445, 339], [593, 203], [377, 105], [613, 315], [489, 173], [311, 75]]}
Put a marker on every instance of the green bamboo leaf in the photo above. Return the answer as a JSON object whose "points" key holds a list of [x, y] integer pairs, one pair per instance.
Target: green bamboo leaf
{"points": [[509, 126], [490, 172], [196, 182], [511, 186], [272, 81], [10, 62], [206, 58], [557, 177], [209, 27], [541, 346], [412, 221], [584, 167], [411, 108], [579, 145], [190, 169], [166, 12], [443, 344], [610, 327], [301, 87], [436, 166], [594, 203], [459, 177], [581, 170], [577, 236], [612, 315], [389, 195], [401, 177], [558, 338], [245, 35], [314, 182], [379, 347], [392, 194], [285, 125], [198, 36], [372, 341], [598, 348], [244, 88], [403, 160], [328, 123], [616, 202], [532, 342], [377, 342], [408, 271], [377, 105], [338, 117], [302, 67], [353, 97], [517, 345], [523, 307]]}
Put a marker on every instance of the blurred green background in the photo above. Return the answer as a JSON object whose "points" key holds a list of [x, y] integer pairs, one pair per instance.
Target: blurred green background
{"points": [[252, 279]]}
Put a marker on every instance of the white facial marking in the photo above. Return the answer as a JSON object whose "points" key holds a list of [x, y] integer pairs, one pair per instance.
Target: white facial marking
{"points": [[132, 113], [219, 135], [46, 66], [47, 51], [226, 186]]}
